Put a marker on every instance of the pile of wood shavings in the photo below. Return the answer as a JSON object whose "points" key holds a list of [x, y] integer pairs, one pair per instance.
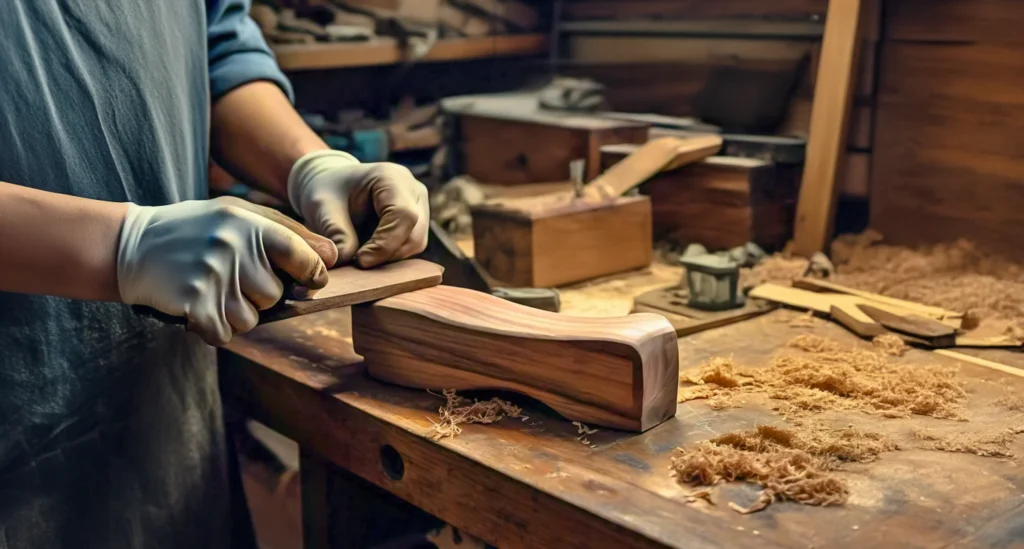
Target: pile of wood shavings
{"points": [[789, 464], [817, 374], [778, 269], [890, 344], [458, 410]]}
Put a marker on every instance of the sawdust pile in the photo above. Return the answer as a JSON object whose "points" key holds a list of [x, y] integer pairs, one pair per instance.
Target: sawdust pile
{"points": [[789, 464], [957, 276], [458, 410], [777, 268], [980, 444], [817, 374], [890, 344]]}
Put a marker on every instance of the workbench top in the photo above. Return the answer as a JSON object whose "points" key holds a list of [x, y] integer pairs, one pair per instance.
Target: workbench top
{"points": [[537, 483]]}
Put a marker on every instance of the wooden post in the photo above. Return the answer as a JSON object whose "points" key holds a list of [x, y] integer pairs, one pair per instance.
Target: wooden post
{"points": [[826, 146]]}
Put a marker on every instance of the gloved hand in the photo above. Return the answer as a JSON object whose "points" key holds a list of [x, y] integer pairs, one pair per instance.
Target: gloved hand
{"points": [[211, 261], [336, 194]]}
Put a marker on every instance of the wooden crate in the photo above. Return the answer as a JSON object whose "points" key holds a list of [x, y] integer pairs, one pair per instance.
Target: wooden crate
{"points": [[556, 246], [721, 202], [538, 148]]}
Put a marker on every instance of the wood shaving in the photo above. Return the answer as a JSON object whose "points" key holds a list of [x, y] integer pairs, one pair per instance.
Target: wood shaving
{"points": [[583, 429], [806, 320], [890, 344], [789, 464], [816, 374], [778, 269], [1011, 402], [702, 494], [979, 444], [458, 410]]}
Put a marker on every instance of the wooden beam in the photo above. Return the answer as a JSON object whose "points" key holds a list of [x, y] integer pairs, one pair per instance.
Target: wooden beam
{"points": [[826, 147]]}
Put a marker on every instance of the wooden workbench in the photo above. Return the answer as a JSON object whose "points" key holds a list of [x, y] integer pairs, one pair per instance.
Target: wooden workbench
{"points": [[533, 484]]}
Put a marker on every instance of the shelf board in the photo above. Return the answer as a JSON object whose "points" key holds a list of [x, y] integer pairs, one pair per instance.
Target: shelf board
{"points": [[386, 51]]}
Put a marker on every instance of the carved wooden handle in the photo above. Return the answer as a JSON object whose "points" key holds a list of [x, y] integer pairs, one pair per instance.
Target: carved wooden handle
{"points": [[616, 372]]}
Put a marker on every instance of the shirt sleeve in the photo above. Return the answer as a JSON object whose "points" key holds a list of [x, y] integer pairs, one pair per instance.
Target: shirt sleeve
{"points": [[236, 50]]}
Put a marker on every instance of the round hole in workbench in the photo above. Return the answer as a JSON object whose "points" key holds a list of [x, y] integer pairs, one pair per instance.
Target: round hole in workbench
{"points": [[391, 462]]}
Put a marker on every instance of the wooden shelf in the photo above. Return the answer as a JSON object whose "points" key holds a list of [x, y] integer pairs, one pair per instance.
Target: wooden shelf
{"points": [[386, 51]]}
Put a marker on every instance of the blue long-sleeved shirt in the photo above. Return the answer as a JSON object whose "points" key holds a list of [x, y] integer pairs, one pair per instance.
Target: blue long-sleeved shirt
{"points": [[110, 425]]}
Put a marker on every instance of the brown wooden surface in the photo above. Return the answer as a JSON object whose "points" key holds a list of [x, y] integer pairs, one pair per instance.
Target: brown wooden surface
{"points": [[533, 484], [621, 9], [949, 162], [954, 21], [386, 51], [614, 372], [833, 92], [542, 246], [349, 286]]}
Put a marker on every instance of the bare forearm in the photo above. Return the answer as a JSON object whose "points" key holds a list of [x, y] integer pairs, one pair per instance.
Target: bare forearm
{"points": [[257, 136], [60, 245]]}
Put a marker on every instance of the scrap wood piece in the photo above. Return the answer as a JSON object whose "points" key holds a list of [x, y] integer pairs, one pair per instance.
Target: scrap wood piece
{"points": [[663, 154], [615, 372], [842, 308], [952, 318], [847, 309], [935, 333]]}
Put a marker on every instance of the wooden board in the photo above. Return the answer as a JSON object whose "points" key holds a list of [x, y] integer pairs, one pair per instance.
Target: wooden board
{"points": [[532, 243], [649, 159], [614, 372], [349, 286], [954, 21], [833, 93], [933, 332], [948, 162], [535, 484], [938, 313], [624, 9], [387, 51], [671, 303]]}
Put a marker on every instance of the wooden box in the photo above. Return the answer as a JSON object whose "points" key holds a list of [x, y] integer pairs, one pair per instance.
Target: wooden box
{"points": [[537, 148], [546, 247], [721, 202]]}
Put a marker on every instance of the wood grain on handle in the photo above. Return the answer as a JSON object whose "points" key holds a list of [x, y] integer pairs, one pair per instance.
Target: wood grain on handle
{"points": [[615, 372], [666, 153]]}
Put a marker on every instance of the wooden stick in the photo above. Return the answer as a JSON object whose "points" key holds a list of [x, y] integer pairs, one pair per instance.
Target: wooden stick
{"points": [[981, 362], [666, 153], [615, 372], [826, 147]]}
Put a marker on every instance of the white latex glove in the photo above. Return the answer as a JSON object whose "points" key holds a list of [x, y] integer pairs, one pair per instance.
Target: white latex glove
{"points": [[336, 194], [211, 262]]}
